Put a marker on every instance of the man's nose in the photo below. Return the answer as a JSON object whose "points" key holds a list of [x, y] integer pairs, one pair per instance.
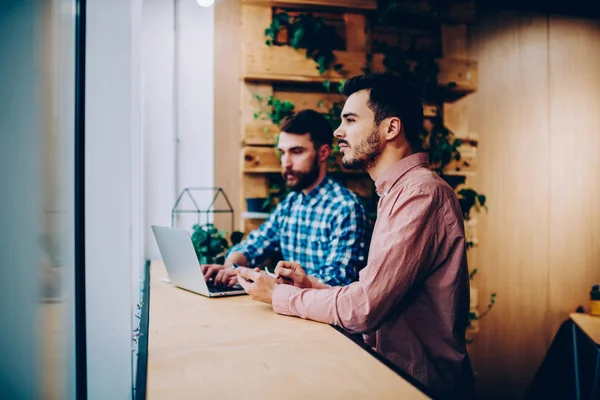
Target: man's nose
{"points": [[339, 133], [286, 162]]}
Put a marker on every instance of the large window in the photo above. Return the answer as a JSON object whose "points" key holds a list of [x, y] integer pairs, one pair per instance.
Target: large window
{"points": [[37, 201]]}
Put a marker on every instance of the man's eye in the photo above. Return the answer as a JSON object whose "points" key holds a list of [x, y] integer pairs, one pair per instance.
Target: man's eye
{"points": [[349, 120]]}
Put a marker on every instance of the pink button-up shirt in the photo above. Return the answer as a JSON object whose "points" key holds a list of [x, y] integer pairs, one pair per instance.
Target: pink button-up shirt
{"points": [[414, 292]]}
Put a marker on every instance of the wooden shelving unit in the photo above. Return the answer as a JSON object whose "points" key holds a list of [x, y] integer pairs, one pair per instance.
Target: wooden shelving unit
{"points": [[285, 64], [287, 74]]}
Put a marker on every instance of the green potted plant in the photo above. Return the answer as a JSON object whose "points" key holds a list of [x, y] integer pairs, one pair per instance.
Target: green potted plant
{"points": [[211, 244]]}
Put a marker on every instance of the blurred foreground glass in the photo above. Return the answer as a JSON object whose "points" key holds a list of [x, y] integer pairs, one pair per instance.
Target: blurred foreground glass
{"points": [[37, 166]]}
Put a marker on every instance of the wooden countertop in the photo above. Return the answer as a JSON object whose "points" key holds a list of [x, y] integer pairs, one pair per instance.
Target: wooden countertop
{"points": [[234, 347], [590, 324]]}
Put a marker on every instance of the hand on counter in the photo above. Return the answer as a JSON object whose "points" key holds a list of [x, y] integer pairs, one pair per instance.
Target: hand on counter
{"points": [[292, 273]]}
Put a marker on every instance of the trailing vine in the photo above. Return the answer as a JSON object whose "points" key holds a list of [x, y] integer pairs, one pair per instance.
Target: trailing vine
{"points": [[308, 33], [277, 109]]}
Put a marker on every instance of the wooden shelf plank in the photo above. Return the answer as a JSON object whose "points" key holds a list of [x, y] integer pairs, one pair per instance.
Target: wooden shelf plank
{"points": [[458, 76], [461, 173], [310, 100], [430, 111], [264, 160], [260, 160], [285, 64], [467, 137], [340, 4], [261, 134], [255, 215]]}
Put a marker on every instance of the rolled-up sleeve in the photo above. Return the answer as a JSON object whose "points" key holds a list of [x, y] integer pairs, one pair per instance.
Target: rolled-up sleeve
{"points": [[400, 256]]}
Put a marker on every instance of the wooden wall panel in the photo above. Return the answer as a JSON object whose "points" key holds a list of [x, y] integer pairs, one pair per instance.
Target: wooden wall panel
{"points": [[227, 141], [455, 45], [509, 112], [574, 164], [454, 41], [356, 34], [253, 17], [536, 112]]}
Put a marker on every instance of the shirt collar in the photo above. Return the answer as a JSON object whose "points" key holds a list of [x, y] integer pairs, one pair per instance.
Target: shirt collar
{"points": [[385, 182], [322, 187]]}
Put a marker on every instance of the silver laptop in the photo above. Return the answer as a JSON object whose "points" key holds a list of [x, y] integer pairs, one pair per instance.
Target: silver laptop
{"points": [[179, 256]]}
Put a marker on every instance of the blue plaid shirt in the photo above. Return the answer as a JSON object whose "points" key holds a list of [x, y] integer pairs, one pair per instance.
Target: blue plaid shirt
{"points": [[325, 231]]}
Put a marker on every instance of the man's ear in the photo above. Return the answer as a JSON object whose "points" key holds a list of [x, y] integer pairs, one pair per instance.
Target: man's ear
{"points": [[324, 152], [393, 128]]}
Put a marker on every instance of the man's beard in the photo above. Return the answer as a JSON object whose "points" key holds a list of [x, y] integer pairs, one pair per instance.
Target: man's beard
{"points": [[365, 153], [303, 179]]}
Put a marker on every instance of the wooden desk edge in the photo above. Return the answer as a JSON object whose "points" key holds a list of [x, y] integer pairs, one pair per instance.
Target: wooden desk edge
{"points": [[403, 374], [589, 324]]}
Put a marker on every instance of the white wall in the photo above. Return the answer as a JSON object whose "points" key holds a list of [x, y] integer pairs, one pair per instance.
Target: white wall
{"points": [[113, 175], [185, 111]]}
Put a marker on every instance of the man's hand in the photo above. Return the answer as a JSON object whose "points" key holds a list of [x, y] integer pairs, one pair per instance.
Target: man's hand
{"points": [[258, 285], [292, 273], [223, 275]]}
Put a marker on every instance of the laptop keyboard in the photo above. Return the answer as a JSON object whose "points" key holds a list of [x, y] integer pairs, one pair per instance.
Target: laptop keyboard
{"points": [[220, 289]]}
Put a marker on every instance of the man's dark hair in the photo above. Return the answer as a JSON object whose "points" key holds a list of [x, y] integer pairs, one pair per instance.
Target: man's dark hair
{"points": [[309, 121], [391, 96]]}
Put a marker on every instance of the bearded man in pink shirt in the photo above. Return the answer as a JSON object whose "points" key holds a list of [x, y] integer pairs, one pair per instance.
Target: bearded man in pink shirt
{"points": [[411, 301]]}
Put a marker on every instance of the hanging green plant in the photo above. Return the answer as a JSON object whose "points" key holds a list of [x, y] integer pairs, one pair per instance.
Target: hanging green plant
{"points": [[308, 33], [278, 109], [474, 317], [470, 199], [439, 143]]}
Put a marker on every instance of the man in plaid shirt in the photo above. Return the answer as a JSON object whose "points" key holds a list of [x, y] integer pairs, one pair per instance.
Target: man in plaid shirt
{"points": [[320, 224]]}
